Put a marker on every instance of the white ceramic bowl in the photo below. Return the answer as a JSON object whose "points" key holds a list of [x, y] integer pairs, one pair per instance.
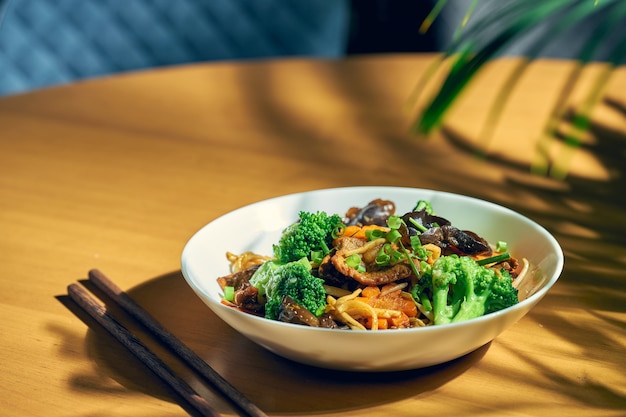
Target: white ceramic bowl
{"points": [[256, 227]]}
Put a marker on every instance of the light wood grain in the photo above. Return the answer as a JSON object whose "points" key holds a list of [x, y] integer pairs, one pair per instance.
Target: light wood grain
{"points": [[118, 173]]}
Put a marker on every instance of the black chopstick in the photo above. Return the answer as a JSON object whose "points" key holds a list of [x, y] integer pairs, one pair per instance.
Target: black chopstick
{"points": [[237, 399], [142, 352]]}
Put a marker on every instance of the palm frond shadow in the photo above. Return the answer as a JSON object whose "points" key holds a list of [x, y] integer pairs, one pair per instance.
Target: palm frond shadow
{"points": [[578, 388], [586, 217], [611, 143], [609, 146]]}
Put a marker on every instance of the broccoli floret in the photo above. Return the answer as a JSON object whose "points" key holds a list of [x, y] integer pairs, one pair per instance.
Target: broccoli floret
{"points": [[274, 280], [312, 233], [460, 289], [503, 294]]}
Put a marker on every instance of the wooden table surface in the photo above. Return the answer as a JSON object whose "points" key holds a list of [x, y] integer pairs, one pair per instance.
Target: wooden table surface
{"points": [[118, 173]]}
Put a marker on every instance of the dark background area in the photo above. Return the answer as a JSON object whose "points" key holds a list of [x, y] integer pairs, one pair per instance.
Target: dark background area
{"points": [[379, 26]]}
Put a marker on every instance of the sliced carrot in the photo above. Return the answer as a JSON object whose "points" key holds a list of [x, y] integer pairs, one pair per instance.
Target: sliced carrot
{"points": [[371, 291], [350, 231], [393, 300], [360, 231], [383, 324], [400, 322]]}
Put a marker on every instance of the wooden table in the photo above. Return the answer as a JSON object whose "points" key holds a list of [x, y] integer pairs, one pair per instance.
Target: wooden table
{"points": [[118, 173]]}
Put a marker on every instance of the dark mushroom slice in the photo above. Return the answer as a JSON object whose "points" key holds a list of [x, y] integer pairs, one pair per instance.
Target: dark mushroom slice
{"points": [[247, 299], [327, 321], [424, 220], [237, 279], [246, 296], [511, 265], [292, 312], [455, 241], [376, 212]]}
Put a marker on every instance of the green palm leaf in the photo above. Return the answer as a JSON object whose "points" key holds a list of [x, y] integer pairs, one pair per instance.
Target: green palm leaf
{"points": [[488, 36]]}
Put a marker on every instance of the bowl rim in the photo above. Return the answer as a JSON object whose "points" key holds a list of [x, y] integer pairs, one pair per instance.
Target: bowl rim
{"points": [[534, 298]]}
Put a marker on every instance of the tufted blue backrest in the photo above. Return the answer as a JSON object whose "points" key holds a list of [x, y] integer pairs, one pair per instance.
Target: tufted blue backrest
{"points": [[48, 42]]}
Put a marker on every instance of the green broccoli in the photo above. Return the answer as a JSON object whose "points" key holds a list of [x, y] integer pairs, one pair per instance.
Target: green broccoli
{"points": [[313, 233], [460, 289], [274, 280]]}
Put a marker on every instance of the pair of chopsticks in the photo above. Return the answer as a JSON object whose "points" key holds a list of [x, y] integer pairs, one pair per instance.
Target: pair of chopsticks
{"points": [[195, 404]]}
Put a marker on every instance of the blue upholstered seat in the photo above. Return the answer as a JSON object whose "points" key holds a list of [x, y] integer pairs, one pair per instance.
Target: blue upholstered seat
{"points": [[48, 42]]}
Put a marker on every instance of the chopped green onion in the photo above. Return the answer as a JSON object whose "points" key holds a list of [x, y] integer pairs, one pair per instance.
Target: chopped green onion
{"points": [[372, 234], [394, 222], [415, 242], [494, 259], [396, 257], [408, 257], [501, 246], [424, 205], [418, 225], [387, 249], [383, 259], [229, 293], [317, 256], [394, 236], [353, 260], [388, 256], [338, 231]]}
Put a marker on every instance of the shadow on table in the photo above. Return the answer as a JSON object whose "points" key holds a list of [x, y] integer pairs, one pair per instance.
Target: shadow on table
{"points": [[274, 384], [587, 218], [585, 214]]}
